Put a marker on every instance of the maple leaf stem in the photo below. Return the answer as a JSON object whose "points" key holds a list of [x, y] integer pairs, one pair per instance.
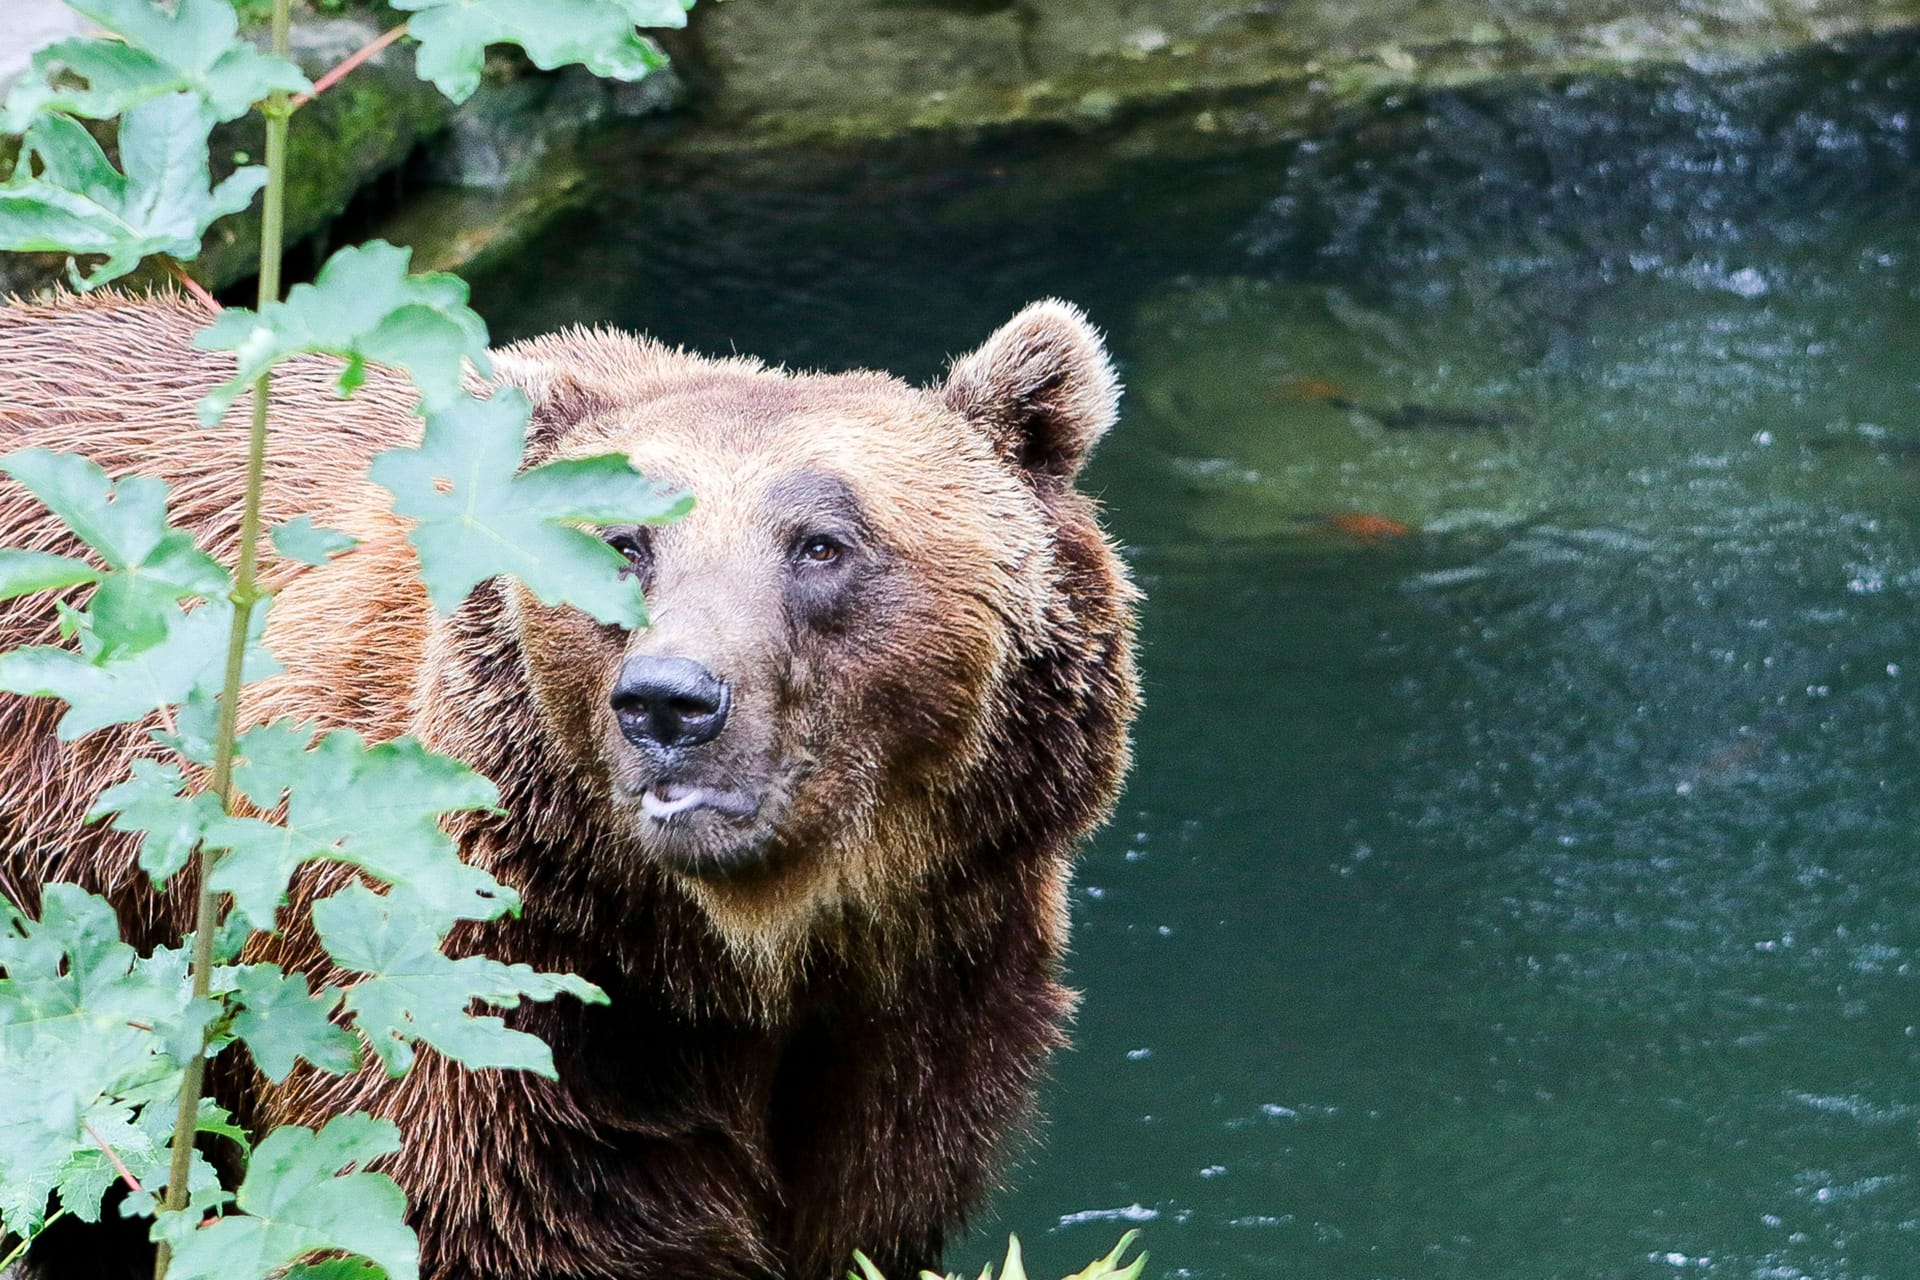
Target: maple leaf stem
{"points": [[192, 286], [366, 51], [126, 1174], [246, 595]]}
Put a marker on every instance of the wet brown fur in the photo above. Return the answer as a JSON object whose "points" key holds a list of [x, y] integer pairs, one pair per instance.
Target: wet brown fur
{"points": [[825, 1057]]}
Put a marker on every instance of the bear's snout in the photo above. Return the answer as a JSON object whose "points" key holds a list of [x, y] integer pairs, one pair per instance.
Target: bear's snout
{"points": [[665, 704]]}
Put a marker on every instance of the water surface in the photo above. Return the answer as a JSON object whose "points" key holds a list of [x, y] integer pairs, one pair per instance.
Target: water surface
{"points": [[1528, 895]]}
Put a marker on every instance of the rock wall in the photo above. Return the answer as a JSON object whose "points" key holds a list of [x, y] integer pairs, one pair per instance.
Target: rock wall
{"points": [[861, 68], [781, 76]]}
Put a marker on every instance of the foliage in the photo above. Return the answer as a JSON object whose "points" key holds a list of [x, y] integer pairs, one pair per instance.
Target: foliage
{"points": [[302, 1194], [103, 1049], [160, 201], [362, 307], [150, 564], [454, 35], [489, 518], [100, 1046], [93, 1038], [1014, 1268], [192, 51]]}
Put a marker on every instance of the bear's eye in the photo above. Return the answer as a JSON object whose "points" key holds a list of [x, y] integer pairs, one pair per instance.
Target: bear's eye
{"points": [[818, 548], [631, 542]]}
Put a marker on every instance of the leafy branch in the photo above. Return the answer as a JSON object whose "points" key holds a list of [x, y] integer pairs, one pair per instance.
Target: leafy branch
{"points": [[156, 631]]}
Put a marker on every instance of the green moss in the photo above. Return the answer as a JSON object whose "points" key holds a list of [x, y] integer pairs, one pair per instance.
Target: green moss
{"points": [[364, 126]]}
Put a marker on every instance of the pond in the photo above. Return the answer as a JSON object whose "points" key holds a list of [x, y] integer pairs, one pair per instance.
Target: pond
{"points": [[1518, 875]]}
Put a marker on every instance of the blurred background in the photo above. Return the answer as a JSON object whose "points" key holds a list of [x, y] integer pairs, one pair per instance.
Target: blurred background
{"points": [[1518, 878]]}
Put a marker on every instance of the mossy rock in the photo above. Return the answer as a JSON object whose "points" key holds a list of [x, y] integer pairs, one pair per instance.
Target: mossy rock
{"points": [[365, 126], [854, 69]]}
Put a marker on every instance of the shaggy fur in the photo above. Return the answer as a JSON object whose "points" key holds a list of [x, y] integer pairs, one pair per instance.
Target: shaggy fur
{"points": [[822, 1048]]}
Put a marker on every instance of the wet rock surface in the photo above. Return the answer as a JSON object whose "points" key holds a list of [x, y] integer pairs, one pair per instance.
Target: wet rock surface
{"points": [[798, 81], [782, 92], [815, 69]]}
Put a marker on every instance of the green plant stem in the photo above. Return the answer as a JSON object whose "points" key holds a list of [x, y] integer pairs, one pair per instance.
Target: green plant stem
{"points": [[19, 1251], [246, 594]]}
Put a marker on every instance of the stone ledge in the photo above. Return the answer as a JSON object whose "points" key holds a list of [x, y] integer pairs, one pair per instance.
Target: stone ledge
{"points": [[827, 71]]}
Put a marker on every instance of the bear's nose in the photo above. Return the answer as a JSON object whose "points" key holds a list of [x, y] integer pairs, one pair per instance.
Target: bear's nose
{"points": [[669, 702]]}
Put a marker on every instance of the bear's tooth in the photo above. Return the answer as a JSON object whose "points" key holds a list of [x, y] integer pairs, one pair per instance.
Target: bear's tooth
{"points": [[658, 807]]}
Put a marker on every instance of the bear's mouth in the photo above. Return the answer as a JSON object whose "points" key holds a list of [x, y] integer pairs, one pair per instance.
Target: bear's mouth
{"points": [[707, 830], [710, 824], [664, 802]]}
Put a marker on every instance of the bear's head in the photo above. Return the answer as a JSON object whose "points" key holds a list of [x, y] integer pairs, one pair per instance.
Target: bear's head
{"points": [[889, 636]]}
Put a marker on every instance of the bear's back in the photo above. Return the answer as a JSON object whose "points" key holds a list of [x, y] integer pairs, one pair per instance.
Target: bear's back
{"points": [[116, 379]]}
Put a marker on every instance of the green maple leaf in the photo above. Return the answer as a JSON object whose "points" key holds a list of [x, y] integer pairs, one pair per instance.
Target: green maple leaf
{"points": [[477, 515], [195, 729], [335, 1269], [25, 572], [103, 688], [303, 540], [304, 1193], [152, 563], [282, 1020], [79, 203], [154, 801], [92, 1036], [257, 865], [413, 992], [363, 307], [377, 808], [137, 650], [70, 975], [140, 1132], [454, 35], [40, 1143], [193, 48], [125, 522]]}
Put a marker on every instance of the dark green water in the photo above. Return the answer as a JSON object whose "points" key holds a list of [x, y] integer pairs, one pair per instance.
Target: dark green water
{"points": [[1532, 896]]}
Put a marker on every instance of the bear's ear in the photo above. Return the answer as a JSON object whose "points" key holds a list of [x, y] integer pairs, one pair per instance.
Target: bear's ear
{"points": [[1041, 387], [560, 400]]}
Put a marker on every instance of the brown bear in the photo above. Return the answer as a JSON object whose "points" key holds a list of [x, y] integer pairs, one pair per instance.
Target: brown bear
{"points": [[811, 830]]}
